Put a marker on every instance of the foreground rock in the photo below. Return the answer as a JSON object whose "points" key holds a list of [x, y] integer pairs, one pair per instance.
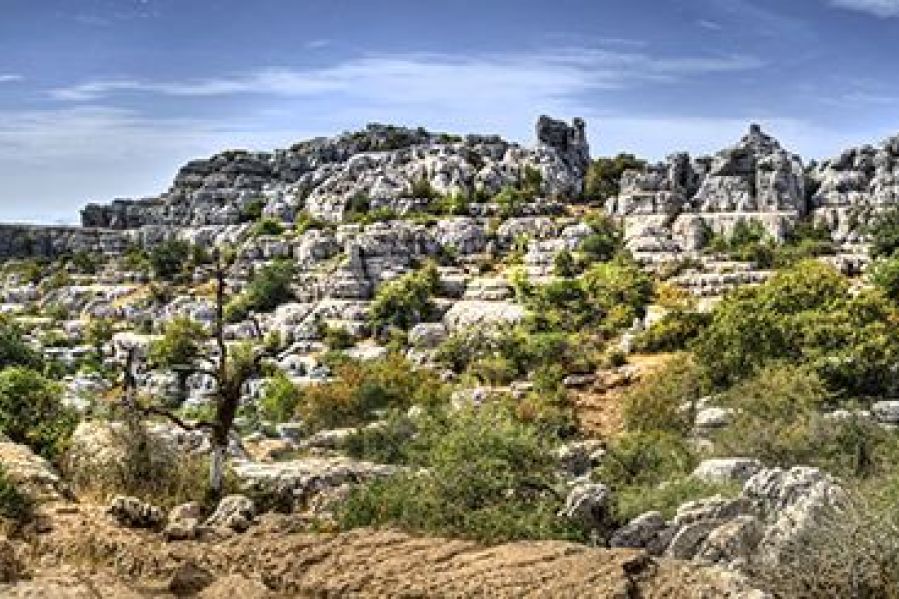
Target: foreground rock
{"points": [[775, 508], [361, 563]]}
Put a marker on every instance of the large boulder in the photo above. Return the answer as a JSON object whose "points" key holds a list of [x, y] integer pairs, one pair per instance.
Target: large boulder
{"points": [[725, 470]]}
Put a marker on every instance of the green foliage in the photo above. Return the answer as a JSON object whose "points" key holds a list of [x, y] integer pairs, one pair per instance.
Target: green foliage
{"points": [[360, 390], [634, 500], [509, 200], [15, 505], [531, 182], [487, 477], [169, 259], [648, 458], [179, 345], [608, 296], [32, 413], [279, 400], [606, 240], [749, 242], [421, 188], [405, 301], [604, 175], [655, 403], [884, 233], [99, 332], [337, 337], [306, 222], [269, 288], [267, 225], [673, 332], [388, 443], [563, 264], [773, 414], [252, 211], [85, 263], [805, 314], [884, 274], [14, 351]]}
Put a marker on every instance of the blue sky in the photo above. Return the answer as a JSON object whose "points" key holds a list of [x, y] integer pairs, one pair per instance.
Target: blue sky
{"points": [[106, 98]]}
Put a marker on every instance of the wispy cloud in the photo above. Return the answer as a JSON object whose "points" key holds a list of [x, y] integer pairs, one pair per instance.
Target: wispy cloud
{"points": [[10, 78], [423, 77], [878, 8], [710, 25]]}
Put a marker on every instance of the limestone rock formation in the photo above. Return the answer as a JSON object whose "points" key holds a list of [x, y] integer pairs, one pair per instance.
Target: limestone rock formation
{"points": [[674, 206]]}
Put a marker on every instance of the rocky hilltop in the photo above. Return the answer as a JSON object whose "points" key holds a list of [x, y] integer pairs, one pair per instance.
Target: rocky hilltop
{"points": [[531, 358]]}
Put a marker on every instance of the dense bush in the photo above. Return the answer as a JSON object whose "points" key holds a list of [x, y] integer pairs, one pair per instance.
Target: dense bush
{"points": [[267, 225], [808, 315], [487, 477], [607, 298], [406, 300], [360, 390], [634, 500], [673, 332], [778, 418], [269, 288], [885, 233], [279, 400], [657, 402], [169, 259], [606, 240], [32, 413], [14, 351]]}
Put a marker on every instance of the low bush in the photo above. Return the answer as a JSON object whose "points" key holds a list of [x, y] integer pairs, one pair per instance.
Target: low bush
{"points": [[633, 500], [656, 402], [405, 301], [673, 332], [279, 399], [360, 390], [32, 412], [487, 477]]}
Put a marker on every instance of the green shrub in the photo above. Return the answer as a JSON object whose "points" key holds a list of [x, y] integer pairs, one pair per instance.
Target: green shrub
{"points": [[307, 222], [14, 351], [884, 274], [655, 403], [406, 300], [673, 332], [634, 500], [360, 390], [280, 398], [267, 226], [487, 477], [774, 414], [252, 210], [269, 288], [169, 259], [387, 443], [646, 459], [32, 413], [604, 175], [884, 233], [563, 264]]}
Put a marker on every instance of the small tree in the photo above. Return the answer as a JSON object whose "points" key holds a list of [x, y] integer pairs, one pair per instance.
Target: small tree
{"points": [[99, 332], [230, 368], [178, 350]]}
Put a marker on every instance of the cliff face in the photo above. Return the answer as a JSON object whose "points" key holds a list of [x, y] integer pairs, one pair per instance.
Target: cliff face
{"points": [[674, 206], [381, 163]]}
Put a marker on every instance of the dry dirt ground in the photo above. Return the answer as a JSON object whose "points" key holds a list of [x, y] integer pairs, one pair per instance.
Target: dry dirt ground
{"points": [[83, 554]]}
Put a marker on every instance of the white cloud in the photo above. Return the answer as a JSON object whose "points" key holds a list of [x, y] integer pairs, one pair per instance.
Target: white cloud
{"points": [[878, 8], [10, 78], [710, 25], [425, 77]]}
